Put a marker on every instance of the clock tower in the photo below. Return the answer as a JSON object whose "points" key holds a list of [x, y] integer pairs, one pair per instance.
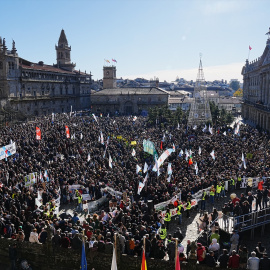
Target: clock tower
{"points": [[109, 77]]}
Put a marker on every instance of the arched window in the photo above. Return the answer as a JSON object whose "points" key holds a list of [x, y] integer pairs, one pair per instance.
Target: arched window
{"points": [[1, 65]]}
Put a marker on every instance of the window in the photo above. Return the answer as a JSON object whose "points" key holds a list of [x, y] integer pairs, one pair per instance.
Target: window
{"points": [[1, 65]]}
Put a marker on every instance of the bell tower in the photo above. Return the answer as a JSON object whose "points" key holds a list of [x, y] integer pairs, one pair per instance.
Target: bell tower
{"points": [[109, 77], [63, 53]]}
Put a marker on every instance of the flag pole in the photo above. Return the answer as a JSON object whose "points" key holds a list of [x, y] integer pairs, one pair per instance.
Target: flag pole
{"points": [[115, 249], [144, 243], [176, 251]]}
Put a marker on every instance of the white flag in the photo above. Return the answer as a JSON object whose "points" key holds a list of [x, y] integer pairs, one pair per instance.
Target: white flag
{"points": [[178, 126], [134, 118], [114, 264], [94, 117], [213, 154], [52, 117], [195, 127], [133, 152], [81, 136], [88, 157], [244, 162], [200, 151], [162, 158], [145, 178], [73, 136], [145, 168], [186, 153], [224, 133], [110, 161], [210, 129], [181, 153], [169, 178], [101, 138], [205, 128], [140, 187], [196, 168], [173, 147], [138, 168], [169, 168]]}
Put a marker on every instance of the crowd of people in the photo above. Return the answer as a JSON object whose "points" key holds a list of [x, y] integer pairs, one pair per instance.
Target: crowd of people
{"points": [[83, 159]]}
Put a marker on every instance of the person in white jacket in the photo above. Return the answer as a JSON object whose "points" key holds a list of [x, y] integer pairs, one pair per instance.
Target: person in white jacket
{"points": [[34, 237]]}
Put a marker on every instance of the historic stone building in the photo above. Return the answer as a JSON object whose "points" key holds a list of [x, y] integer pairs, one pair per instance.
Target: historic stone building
{"points": [[256, 89], [125, 101], [39, 89]]}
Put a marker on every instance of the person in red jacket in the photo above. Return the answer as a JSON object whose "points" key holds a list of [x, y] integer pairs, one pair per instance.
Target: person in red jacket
{"points": [[201, 252], [234, 260]]}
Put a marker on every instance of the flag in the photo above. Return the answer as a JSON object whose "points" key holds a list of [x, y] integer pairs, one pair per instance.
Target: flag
{"points": [[177, 265], [169, 178], [94, 117], [145, 168], [173, 147], [161, 145], [41, 177], [196, 168], [133, 152], [67, 132], [205, 128], [213, 154], [138, 168], [38, 133], [73, 137], [133, 143], [210, 129], [144, 266], [81, 136], [186, 153], [101, 138], [140, 187], [244, 162], [83, 259], [110, 161], [88, 157], [200, 151], [145, 179], [195, 127], [190, 162], [169, 168], [114, 60], [52, 117], [178, 126], [114, 264], [181, 153], [46, 176], [224, 133], [250, 48]]}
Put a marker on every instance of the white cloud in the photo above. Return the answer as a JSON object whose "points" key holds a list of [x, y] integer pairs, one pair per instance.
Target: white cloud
{"points": [[211, 73], [218, 7]]}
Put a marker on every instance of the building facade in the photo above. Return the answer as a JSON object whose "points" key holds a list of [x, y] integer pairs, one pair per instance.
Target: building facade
{"points": [[256, 89], [37, 89], [126, 100]]}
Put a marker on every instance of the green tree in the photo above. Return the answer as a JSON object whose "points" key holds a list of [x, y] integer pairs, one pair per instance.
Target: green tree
{"points": [[235, 84]]}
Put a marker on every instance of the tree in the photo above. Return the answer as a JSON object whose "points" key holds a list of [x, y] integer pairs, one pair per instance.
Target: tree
{"points": [[238, 93], [235, 84]]}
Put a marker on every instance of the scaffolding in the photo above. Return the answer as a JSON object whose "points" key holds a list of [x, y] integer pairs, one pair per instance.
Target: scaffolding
{"points": [[199, 113]]}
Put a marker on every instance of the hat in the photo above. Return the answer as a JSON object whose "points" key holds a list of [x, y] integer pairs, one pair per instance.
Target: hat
{"points": [[199, 244]]}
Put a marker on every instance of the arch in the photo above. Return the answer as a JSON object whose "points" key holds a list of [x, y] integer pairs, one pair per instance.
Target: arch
{"points": [[128, 108]]}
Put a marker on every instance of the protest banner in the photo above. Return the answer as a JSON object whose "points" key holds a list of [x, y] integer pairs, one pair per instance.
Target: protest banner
{"points": [[7, 150]]}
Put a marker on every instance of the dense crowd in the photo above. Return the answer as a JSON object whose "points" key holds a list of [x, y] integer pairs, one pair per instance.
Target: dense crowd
{"points": [[83, 159]]}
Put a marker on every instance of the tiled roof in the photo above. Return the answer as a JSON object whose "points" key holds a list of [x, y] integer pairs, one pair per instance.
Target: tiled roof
{"points": [[132, 91], [46, 68]]}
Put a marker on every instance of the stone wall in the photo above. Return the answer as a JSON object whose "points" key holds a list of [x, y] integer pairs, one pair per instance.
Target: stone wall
{"points": [[44, 257]]}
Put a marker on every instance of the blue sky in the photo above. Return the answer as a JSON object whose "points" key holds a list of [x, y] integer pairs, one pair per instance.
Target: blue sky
{"points": [[148, 38]]}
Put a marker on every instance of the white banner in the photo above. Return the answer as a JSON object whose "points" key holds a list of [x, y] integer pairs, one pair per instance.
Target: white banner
{"points": [[162, 158], [7, 150]]}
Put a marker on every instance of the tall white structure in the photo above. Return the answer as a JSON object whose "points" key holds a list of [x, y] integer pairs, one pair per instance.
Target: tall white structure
{"points": [[200, 113]]}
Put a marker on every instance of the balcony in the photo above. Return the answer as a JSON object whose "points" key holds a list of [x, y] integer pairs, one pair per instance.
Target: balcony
{"points": [[262, 107]]}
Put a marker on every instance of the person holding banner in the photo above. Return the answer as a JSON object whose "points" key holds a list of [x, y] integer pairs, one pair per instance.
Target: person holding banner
{"points": [[167, 218]]}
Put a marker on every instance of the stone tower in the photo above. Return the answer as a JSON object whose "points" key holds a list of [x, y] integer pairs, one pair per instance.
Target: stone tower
{"points": [[109, 77], [199, 113], [63, 53]]}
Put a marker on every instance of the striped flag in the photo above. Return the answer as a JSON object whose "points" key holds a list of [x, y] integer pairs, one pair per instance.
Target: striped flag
{"points": [[144, 266]]}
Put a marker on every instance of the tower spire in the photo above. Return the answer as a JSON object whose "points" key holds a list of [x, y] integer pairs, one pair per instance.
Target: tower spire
{"points": [[200, 110]]}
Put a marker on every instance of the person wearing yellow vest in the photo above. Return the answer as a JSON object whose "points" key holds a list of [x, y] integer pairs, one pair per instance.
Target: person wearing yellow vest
{"points": [[204, 195], [218, 190], [180, 209], [232, 184], [167, 218], [80, 200], [212, 195], [163, 232], [188, 207], [239, 181]]}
